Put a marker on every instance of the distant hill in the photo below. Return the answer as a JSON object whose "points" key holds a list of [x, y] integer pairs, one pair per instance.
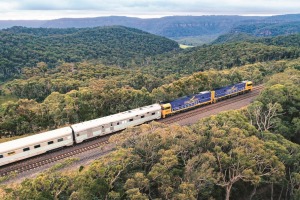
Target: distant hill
{"points": [[41, 31], [282, 40], [221, 56], [232, 37], [284, 18], [193, 30], [172, 27], [268, 29], [25, 47], [292, 40], [25, 23]]}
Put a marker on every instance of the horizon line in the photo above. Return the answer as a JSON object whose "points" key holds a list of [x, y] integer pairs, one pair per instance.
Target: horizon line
{"points": [[148, 16]]}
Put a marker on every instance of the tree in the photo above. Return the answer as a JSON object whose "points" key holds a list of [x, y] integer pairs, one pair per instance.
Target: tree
{"points": [[235, 154], [264, 117]]}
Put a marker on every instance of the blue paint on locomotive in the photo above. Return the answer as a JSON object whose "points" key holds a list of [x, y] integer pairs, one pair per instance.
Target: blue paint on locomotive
{"points": [[190, 101], [221, 92]]}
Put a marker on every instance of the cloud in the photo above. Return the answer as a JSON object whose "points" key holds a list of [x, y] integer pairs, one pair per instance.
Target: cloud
{"points": [[169, 5], [8, 5], [153, 7]]}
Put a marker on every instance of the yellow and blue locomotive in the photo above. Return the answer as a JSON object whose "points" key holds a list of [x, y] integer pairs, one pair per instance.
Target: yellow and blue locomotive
{"points": [[202, 98]]}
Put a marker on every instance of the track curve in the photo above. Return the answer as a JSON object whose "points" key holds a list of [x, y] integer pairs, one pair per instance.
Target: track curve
{"points": [[51, 157]]}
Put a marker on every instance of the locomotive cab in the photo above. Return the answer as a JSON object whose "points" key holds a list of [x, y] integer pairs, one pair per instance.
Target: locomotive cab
{"points": [[249, 86], [165, 109]]}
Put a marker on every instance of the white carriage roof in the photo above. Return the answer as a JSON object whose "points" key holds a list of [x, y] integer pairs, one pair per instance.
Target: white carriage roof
{"points": [[34, 139], [116, 117]]}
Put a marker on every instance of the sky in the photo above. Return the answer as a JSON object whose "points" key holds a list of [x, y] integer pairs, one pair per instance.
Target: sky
{"points": [[53, 9]]}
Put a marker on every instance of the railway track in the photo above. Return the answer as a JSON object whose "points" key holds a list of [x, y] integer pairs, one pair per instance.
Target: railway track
{"points": [[41, 160], [44, 159]]}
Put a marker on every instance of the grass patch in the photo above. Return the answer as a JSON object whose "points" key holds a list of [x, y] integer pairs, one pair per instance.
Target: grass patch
{"points": [[7, 177], [62, 165], [196, 40], [7, 98], [183, 46]]}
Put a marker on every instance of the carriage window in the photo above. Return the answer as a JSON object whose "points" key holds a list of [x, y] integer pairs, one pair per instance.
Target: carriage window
{"points": [[60, 140], [118, 123], [11, 153], [1, 156], [131, 120], [51, 142], [26, 149], [37, 146], [142, 116]]}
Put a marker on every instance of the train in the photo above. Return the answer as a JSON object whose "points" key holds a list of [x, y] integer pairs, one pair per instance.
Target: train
{"points": [[41, 143]]}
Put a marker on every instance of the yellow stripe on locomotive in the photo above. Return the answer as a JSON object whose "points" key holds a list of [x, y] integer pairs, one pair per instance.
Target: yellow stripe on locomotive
{"points": [[249, 86], [165, 110]]}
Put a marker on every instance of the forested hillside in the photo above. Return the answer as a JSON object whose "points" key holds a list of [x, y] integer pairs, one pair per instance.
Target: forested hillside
{"points": [[292, 40], [57, 77], [91, 91], [37, 83], [268, 29], [21, 48], [232, 155], [41, 31], [71, 75], [222, 56]]}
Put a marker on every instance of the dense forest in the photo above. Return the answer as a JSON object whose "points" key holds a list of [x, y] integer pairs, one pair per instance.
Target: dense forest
{"points": [[268, 29], [233, 155], [283, 41], [64, 76], [152, 73], [222, 56], [148, 72], [49, 97], [90, 97], [23, 47]]}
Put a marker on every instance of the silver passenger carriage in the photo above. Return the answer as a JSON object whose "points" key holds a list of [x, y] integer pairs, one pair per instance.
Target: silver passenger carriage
{"points": [[116, 122], [34, 145]]}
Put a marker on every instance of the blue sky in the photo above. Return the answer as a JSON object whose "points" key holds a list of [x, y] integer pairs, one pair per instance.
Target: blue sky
{"points": [[51, 9]]}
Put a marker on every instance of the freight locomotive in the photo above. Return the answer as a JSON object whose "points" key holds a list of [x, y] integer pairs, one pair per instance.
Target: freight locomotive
{"points": [[30, 146]]}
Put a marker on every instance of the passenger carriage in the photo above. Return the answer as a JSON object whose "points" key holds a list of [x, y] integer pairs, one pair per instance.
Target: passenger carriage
{"points": [[106, 125], [30, 146]]}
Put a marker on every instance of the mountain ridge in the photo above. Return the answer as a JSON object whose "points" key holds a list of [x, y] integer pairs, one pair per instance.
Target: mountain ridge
{"points": [[192, 30], [110, 45]]}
